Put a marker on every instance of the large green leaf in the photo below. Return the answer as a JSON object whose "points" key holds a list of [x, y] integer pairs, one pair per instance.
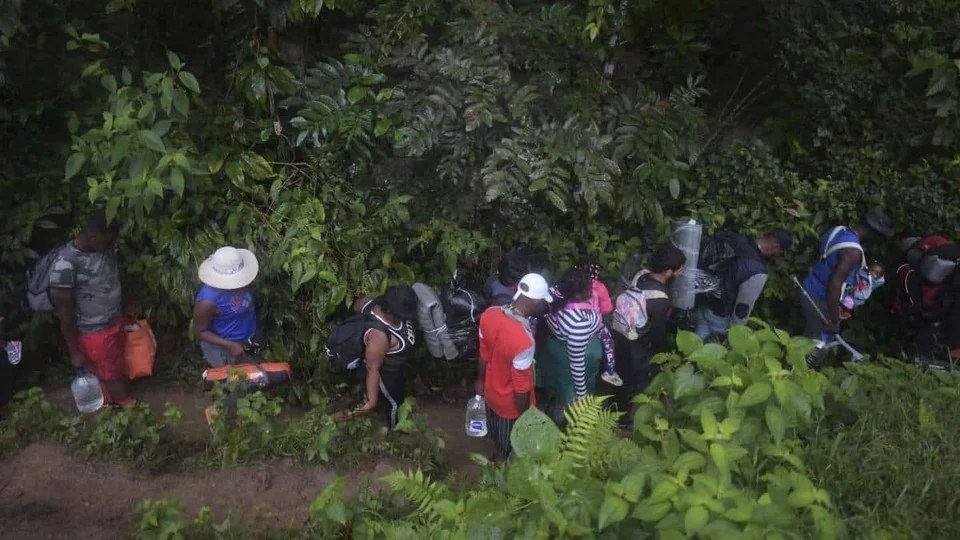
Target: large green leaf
{"points": [[613, 510], [687, 382], [688, 342], [757, 392], [743, 340], [535, 434], [74, 163]]}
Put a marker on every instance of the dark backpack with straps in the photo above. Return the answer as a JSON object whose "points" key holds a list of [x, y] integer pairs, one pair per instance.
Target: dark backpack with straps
{"points": [[717, 251], [345, 346]]}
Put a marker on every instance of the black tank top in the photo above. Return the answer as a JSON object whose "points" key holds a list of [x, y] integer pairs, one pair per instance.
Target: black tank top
{"points": [[404, 334]]}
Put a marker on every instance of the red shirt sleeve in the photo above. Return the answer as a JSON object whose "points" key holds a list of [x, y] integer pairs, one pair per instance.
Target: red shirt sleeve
{"points": [[521, 371]]}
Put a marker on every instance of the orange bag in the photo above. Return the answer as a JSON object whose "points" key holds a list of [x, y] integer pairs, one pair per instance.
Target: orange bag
{"points": [[263, 375], [140, 351]]}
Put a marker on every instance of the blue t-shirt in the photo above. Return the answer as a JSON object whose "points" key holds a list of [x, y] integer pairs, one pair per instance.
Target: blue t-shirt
{"points": [[819, 276], [236, 318]]}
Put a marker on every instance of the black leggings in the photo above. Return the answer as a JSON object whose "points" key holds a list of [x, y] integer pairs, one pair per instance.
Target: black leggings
{"points": [[393, 390]]}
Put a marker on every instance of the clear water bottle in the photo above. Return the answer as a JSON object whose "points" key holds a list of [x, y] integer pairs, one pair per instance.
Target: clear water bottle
{"points": [[476, 417], [257, 379], [86, 391]]}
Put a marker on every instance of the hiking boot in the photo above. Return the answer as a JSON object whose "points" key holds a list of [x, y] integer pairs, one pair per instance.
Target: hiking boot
{"points": [[611, 378]]}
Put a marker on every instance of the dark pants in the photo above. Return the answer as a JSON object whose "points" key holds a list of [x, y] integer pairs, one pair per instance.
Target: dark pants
{"points": [[634, 366], [498, 429], [6, 379], [393, 390], [812, 322]]}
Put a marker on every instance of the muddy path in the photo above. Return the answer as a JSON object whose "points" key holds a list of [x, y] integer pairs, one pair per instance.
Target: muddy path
{"points": [[47, 491]]}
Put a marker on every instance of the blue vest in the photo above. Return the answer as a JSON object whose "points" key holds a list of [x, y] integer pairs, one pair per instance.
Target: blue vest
{"points": [[236, 318], [819, 276]]}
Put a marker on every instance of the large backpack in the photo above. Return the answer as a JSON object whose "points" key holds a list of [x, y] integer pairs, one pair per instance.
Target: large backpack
{"points": [[922, 256], [345, 344], [630, 314], [462, 308], [716, 252], [38, 283], [921, 247]]}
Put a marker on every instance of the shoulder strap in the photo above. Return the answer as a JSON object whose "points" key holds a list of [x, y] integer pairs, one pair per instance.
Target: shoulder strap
{"points": [[831, 249], [637, 277], [647, 294], [833, 234], [654, 294]]}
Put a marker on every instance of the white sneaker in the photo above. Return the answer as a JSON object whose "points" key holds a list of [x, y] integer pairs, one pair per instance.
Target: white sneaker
{"points": [[611, 378], [14, 351]]}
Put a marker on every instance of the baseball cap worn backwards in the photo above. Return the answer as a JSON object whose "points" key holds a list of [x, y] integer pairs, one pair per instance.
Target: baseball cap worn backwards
{"points": [[534, 287]]}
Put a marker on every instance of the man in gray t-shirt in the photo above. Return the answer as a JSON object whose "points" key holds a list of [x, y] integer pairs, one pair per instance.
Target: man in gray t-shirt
{"points": [[85, 288], [95, 281]]}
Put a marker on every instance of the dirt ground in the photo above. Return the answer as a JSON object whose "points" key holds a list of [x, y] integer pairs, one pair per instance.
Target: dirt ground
{"points": [[47, 492]]}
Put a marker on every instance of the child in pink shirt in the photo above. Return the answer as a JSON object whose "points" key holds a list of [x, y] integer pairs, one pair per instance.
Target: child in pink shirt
{"points": [[601, 303]]}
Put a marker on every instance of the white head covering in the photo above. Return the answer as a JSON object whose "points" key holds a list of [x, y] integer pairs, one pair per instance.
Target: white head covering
{"points": [[229, 268]]}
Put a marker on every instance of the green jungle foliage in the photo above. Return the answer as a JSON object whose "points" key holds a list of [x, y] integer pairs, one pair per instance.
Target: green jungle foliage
{"points": [[360, 143], [741, 441], [253, 430], [355, 144]]}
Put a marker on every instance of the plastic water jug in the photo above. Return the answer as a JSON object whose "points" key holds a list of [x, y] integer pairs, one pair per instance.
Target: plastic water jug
{"points": [[86, 391], [476, 417]]}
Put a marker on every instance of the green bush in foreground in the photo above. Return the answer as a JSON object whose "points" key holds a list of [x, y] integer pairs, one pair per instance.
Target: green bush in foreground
{"points": [[716, 453], [893, 471], [255, 431], [738, 442]]}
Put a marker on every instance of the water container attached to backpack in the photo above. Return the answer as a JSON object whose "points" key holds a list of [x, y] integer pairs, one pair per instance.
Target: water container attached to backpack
{"points": [[38, 283], [432, 320]]}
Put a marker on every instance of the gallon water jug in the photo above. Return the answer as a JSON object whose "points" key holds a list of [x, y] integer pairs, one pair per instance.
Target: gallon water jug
{"points": [[476, 417], [86, 392]]}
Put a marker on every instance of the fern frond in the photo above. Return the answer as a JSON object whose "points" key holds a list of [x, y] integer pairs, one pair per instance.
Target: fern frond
{"points": [[589, 429], [421, 490]]}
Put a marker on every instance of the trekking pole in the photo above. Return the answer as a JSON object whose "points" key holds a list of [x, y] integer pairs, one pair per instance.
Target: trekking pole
{"points": [[855, 354]]}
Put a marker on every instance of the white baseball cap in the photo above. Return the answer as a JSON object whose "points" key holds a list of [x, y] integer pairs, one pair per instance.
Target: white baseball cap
{"points": [[534, 287]]}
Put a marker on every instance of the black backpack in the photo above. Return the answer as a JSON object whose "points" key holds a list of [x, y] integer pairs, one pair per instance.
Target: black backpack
{"points": [[345, 345], [462, 308], [716, 252]]}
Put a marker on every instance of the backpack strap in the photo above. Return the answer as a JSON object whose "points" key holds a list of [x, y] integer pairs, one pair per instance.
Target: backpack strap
{"points": [[653, 294], [636, 279], [831, 249]]}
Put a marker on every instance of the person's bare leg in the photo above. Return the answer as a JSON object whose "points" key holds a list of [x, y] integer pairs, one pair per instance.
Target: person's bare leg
{"points": [[119, 391]]}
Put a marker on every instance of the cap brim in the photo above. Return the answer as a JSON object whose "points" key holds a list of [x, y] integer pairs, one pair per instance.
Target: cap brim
{"points": [[548, 298], [246, 275]]}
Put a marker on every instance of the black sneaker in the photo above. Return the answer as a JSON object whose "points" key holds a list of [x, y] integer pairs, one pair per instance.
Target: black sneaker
{"points": [[815, 358]]}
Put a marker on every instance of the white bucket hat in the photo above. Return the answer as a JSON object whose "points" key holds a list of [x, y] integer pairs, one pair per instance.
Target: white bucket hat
{"points": [[229, 268]]}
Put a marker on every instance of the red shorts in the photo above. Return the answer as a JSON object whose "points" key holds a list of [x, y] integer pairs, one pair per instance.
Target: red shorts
{"points": [[104, 350]]}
